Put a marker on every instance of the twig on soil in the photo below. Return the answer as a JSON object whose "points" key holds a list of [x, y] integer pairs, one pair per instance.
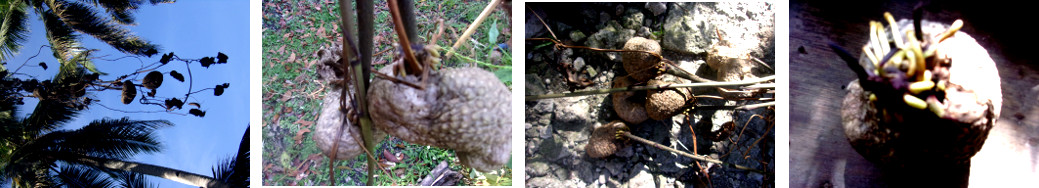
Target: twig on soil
{"points": [[472, 27], [697, 157], [651, 87]]}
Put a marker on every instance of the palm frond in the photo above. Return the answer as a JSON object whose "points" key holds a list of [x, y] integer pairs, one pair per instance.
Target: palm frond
{"points": [[111, 138], [84, 19], [48, 115], [133, 180], [63, 40], [235, 170], [123, 17], [13, 28], [75, 176]]}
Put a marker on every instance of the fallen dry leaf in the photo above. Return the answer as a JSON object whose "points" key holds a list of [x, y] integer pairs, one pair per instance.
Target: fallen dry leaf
{"points": [[287, 35], [303, 123], [281, 50], [299, 135], [285, 96], [311, 63], [389, 156], [292, 58]]}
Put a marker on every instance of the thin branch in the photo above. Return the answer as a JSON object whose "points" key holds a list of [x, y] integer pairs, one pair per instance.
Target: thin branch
{"points": [[412, 66], [651, 87], [697, 157], [476, 24], [543, 23]]}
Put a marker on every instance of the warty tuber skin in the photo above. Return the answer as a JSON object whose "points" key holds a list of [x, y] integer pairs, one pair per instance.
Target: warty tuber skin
{"points": [[464, 109]]}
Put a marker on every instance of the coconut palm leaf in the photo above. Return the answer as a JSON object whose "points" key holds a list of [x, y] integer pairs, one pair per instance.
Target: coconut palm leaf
{"points": [[133, 180], [75, 176], [63, 40], [235, 170], [84, 19], [13, 28]]}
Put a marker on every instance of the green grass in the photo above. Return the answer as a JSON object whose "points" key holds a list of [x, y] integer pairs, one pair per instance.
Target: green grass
{"points": [[292, 97]]}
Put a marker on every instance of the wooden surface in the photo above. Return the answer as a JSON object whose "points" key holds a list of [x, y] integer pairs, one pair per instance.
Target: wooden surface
{"points": [[820, 155]]}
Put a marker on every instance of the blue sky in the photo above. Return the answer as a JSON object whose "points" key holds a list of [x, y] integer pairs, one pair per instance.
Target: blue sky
{"points": [[191, 29]]}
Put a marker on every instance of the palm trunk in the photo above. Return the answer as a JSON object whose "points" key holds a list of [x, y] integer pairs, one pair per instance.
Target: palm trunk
{"points": [[148, 169]]}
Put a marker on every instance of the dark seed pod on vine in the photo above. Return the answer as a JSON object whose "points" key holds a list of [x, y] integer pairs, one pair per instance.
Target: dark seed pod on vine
{"points": [[174, 102], [197, 112], [221, 57], [219, 89], [150, 52], [166, 58], [129, 92], [206, 61], [153, 80], [177, 75], [43, 65]]}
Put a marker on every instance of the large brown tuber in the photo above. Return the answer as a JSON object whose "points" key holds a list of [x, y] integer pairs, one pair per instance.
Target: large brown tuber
{"points": [[604, 140], [665, 103], [464, 109], [330, 122], [641, 66], [892, 120], [628, 106]]}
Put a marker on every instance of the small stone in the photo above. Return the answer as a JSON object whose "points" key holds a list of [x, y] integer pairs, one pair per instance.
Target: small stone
{"points": [[577, 36], [537, 169], [633, 21], [578, 63], [656, 7]]}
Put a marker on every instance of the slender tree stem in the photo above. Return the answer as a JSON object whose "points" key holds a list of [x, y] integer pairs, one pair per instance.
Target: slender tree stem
{"points": [[366, 22], [148, 169], [697, 157], [412, 66], [651, 87]]}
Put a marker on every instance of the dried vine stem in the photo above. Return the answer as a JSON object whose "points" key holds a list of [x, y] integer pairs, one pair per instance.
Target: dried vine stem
{"points": [[697, 157], [651, 87], [472, 27]]}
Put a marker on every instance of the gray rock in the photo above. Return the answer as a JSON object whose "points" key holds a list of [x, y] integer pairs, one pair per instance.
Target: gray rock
{"points": [[536, 169], [577, 36], [645, 32], [604, 17], [578, 63], [572, 111], [586, 171], [543, 182], [656, 7], [613, 36], [719, 119], [633, 21], [534, 87], [615, 167], [743, 25], [642, 178]]}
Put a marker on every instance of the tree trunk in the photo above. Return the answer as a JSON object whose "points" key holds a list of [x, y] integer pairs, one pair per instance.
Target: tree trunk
{"points": [[148, 169]]}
